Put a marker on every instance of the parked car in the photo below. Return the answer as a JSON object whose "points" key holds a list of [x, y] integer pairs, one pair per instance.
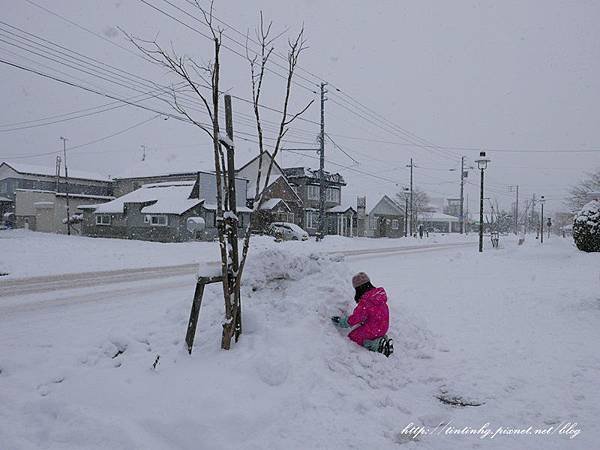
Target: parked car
{"points": [[288, 231]]}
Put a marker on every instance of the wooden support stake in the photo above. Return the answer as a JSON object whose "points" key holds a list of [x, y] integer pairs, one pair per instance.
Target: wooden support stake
{"points": [[195, 312]]}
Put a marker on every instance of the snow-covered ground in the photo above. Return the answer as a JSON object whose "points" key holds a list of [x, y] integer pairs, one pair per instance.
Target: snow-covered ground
{"points": [[515, 329], [25, 253]]}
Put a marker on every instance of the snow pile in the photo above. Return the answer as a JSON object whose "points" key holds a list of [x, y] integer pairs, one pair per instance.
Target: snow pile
{"points": [[293, 377]]}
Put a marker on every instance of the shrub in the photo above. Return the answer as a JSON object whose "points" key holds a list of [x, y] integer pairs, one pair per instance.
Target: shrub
{"points": [[586, 228]]}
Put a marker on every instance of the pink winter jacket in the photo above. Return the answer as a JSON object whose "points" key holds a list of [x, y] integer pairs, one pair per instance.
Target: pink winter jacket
{"points": [[373, 315]]}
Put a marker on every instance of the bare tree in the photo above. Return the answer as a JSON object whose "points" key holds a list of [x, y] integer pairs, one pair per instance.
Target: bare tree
{"points": [[189, 71], [579, 194], [420, 201], [193, 78], [258, 66]]}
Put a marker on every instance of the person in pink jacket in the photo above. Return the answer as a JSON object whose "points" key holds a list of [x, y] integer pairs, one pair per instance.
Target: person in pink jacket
{"points": [[371, 315]]}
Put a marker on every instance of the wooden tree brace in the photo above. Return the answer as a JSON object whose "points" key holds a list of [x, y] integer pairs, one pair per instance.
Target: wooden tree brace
{"points": [[196, 303]]}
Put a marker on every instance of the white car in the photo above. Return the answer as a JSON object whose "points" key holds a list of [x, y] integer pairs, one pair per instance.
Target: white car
{"points": [[288, 231]]}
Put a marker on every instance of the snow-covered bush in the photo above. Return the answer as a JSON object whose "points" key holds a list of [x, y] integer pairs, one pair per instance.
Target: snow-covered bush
{"points": [[586, 228]]}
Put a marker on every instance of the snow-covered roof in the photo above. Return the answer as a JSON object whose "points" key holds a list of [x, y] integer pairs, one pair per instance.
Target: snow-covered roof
{"points": [[164, 198], [4, 199], [438, 217], [164, 164], [272, 203], [305, 172], [64, 194], [213, 207], [391, 202], [340, 209], [51, 172]]}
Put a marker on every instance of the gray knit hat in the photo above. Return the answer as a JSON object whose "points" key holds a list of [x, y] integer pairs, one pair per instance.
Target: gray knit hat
{"points": [[359, 279]]}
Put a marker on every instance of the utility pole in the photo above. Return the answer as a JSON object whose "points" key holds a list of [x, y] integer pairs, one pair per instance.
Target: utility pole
{"points": [[533, 213], [510, 188], [412, 214], [58, 161], [64, 139], [517, 212], [405, 191], [322, 228], [542, 201], [462, 195]]}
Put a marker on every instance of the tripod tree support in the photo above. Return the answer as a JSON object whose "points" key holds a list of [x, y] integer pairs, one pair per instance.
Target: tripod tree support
{"points": [[195, 312]]}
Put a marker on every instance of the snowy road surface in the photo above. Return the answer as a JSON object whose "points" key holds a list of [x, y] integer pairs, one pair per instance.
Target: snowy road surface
{"points": [[514, 329], [34, 285]]}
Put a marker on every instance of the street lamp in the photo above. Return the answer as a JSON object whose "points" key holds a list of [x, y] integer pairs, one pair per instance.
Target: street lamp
{"points": [[542, 201], [482, 163], [406, 192]]}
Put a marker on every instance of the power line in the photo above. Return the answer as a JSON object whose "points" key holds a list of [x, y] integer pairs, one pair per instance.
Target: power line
{"points": [[211, 39], [80, 58], [95, 141], [365, 108]]}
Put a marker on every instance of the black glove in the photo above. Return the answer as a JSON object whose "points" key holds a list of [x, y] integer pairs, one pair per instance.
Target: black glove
{"points": [[335, 319]]}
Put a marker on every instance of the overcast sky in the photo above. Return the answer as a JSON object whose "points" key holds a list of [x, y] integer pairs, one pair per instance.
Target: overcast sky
{"points": [[501, 76]]}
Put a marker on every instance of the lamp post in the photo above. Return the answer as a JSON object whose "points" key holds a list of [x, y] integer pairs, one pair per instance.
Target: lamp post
{"points": [[542, 201], [482, 163], [406, 191]]}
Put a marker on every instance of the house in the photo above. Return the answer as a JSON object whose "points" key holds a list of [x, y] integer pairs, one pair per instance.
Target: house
{"points": [[21, 176], [43, 186], [342, 220], [280, 203], [440, 222], [386, 219], [306, 183], [160, 212], [46, 211]]}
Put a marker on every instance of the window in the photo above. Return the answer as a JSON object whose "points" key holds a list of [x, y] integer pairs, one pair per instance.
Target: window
{"points": [[312, 219], [333, 195], [395, 224], [103, 219], [3, 187], [158, 221], [312, 192]]}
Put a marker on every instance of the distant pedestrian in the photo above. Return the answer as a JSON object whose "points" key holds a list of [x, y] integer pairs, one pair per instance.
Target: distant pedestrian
{"points": [[421, 231]]}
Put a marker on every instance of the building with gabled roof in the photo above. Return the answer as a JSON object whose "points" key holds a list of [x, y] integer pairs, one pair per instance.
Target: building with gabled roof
{"points": [[306, 183], [280, 203], [386, 219], [158, 212]]}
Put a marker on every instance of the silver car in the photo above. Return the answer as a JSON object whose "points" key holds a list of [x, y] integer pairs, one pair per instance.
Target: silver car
{"points": [[288, 231]]}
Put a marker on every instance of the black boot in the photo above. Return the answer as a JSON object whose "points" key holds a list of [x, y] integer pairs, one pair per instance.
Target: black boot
{"points": [[386, 346]]}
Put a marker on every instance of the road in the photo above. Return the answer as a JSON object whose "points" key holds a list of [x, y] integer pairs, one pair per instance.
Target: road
{"points": [[31, 294]]}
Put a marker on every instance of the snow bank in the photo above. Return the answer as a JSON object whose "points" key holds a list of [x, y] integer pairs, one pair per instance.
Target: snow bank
{"points": [[293, 377]]}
